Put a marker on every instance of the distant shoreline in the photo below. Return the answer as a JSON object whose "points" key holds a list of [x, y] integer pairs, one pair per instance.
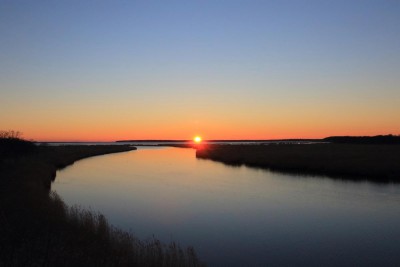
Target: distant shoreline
{"points": [[221, 140], [378, 139]]}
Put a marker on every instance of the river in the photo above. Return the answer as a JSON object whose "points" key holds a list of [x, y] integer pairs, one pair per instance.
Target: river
{"points": [[239, 216]]}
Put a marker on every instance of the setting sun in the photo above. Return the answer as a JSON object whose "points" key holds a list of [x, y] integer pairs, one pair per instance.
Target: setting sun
{"points": [[197, 139]]}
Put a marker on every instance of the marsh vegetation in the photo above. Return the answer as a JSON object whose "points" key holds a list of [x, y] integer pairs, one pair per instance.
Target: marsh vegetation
{"points": [[379, 162], [38, 229]]}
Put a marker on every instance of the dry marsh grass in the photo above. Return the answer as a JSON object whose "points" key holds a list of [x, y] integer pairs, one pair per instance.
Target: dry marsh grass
{"points": [[38, 229], [351, 161]]}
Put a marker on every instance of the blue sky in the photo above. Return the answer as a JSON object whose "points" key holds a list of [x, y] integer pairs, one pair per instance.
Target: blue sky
{"points": [[234, 62]]}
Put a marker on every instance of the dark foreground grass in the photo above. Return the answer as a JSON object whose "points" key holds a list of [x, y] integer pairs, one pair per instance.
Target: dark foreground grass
{"points": [[380, 163], [38, 229]]}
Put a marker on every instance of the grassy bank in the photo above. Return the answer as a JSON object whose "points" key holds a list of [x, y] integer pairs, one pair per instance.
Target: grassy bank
{"points": [[38, 229], [349, 161]]}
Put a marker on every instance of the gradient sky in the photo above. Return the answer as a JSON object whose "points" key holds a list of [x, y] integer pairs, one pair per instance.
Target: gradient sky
{"points": [[109, 70]]}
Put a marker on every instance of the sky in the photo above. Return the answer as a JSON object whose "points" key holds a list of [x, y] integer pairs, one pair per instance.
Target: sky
{"points": [[111, 70]]}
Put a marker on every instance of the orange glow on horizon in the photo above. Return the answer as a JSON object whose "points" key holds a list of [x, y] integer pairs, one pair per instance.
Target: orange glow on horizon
{"points": [[45, 130], [258, 134]]}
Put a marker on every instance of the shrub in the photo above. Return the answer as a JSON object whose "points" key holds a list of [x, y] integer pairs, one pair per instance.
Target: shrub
{"points": [[12, 145]]}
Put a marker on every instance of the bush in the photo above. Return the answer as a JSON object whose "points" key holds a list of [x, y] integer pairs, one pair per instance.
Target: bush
{"points": [[12, 145]]}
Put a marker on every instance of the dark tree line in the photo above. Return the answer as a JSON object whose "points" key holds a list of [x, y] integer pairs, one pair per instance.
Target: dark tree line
{"points": [[378, 139]]}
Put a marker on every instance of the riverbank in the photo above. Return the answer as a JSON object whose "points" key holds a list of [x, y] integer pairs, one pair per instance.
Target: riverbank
{"points": [[38, 229], [348, 161]]}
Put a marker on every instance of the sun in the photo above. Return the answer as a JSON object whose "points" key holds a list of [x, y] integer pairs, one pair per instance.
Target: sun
{"points": [[197, 139]]}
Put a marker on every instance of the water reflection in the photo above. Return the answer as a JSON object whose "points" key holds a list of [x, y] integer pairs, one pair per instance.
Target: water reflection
{"points": [[239, 216]]}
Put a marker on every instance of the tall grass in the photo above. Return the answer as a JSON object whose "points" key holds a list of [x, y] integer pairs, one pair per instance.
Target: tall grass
{"points": [[348, 161], [38, 229], [46, 232]]}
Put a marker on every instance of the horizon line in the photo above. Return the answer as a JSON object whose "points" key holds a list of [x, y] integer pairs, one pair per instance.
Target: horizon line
{"points": [[180, 140], [214, 140]]}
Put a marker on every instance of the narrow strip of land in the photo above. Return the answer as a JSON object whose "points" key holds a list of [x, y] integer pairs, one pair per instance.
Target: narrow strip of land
{"points": [[348, 161]]}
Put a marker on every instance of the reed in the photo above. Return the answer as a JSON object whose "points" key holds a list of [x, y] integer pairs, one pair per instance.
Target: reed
{"points": [[38, 229], [348, 161]]}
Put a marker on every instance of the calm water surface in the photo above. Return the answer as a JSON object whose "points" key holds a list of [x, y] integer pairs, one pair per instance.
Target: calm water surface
{"points": [[239, 216]]}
